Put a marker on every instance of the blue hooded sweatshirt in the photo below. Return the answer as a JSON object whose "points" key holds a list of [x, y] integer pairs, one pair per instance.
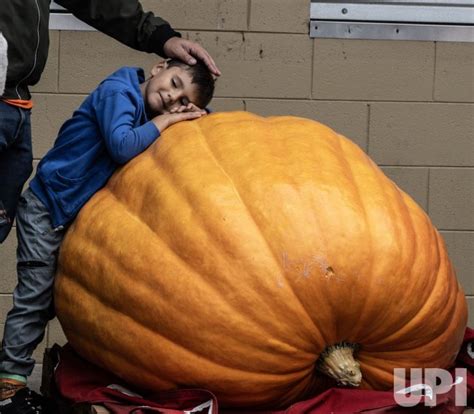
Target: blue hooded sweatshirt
{"points": [[109, 128]]}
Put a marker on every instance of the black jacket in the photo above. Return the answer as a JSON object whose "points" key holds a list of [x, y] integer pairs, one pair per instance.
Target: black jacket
{"points": [[24, 23]]}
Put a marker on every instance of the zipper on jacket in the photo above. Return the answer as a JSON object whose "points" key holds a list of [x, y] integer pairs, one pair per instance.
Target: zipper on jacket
{"points": [[36, 51]]}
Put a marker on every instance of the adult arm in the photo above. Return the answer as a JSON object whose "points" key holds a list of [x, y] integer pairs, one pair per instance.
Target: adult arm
{"points": [[125, 21]]}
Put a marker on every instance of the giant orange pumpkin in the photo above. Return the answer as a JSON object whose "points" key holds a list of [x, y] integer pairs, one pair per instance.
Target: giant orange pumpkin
{"points": [[244, 254]]}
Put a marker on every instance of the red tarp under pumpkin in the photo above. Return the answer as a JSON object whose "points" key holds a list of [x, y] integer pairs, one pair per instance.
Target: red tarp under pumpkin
{"points": [[78, 381]]}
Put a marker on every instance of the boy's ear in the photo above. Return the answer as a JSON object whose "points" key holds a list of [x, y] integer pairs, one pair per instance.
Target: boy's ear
{"points": [[158, 67]]}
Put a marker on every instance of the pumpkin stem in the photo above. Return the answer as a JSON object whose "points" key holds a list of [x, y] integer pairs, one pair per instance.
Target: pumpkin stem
{"points": [[337, 361]]}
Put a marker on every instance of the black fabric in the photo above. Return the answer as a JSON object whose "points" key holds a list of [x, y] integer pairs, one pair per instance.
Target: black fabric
{"points": [[26, 401], [26, 31]]}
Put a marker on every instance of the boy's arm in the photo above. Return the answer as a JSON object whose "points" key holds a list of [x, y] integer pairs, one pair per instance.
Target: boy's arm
{"points": [[125, 21], [116, 119]]}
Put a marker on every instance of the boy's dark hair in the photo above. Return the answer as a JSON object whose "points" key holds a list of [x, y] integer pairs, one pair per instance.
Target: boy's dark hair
{"points": [[201, 76]]}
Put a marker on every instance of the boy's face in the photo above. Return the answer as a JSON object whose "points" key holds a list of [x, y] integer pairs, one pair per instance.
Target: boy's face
{"points": [[168, 89]]}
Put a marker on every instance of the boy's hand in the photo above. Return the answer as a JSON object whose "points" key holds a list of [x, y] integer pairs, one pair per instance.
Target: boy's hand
{"points": [[190, 107], [183, 113]]}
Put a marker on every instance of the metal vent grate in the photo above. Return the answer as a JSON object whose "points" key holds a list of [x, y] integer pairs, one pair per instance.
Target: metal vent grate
{"points": [[439, 20]]}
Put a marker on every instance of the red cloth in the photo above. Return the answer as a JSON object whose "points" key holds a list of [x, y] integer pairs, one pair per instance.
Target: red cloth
{"points": [[77, 380]]}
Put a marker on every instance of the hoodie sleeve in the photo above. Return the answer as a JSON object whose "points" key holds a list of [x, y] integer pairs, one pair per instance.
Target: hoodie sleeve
{"points": [[116, 116], [125, 21]]}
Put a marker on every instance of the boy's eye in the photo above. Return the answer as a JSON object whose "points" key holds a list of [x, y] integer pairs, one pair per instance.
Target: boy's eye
{"points": [[173, 82]]}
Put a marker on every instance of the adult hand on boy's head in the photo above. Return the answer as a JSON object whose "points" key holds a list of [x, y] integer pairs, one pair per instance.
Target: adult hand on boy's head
{"points": [[188, 51]]}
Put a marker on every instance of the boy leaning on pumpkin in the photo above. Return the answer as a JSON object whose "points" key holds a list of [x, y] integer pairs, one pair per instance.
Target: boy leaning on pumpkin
{"points": [[116, 122]]}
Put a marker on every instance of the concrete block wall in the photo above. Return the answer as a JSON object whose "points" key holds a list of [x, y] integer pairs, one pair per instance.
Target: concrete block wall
{"points": [[408, 104]]}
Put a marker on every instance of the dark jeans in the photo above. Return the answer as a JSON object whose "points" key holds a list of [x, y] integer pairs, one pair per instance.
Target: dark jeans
{"points": [[16, 161]]}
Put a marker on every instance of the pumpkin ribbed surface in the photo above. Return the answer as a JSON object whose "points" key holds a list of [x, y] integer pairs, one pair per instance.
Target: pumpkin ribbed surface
{"points": [[234, 250]]}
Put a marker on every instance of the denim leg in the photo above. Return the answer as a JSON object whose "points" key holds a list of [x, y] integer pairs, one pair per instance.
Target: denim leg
{"points": [[38, 247], [16, 160]]}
